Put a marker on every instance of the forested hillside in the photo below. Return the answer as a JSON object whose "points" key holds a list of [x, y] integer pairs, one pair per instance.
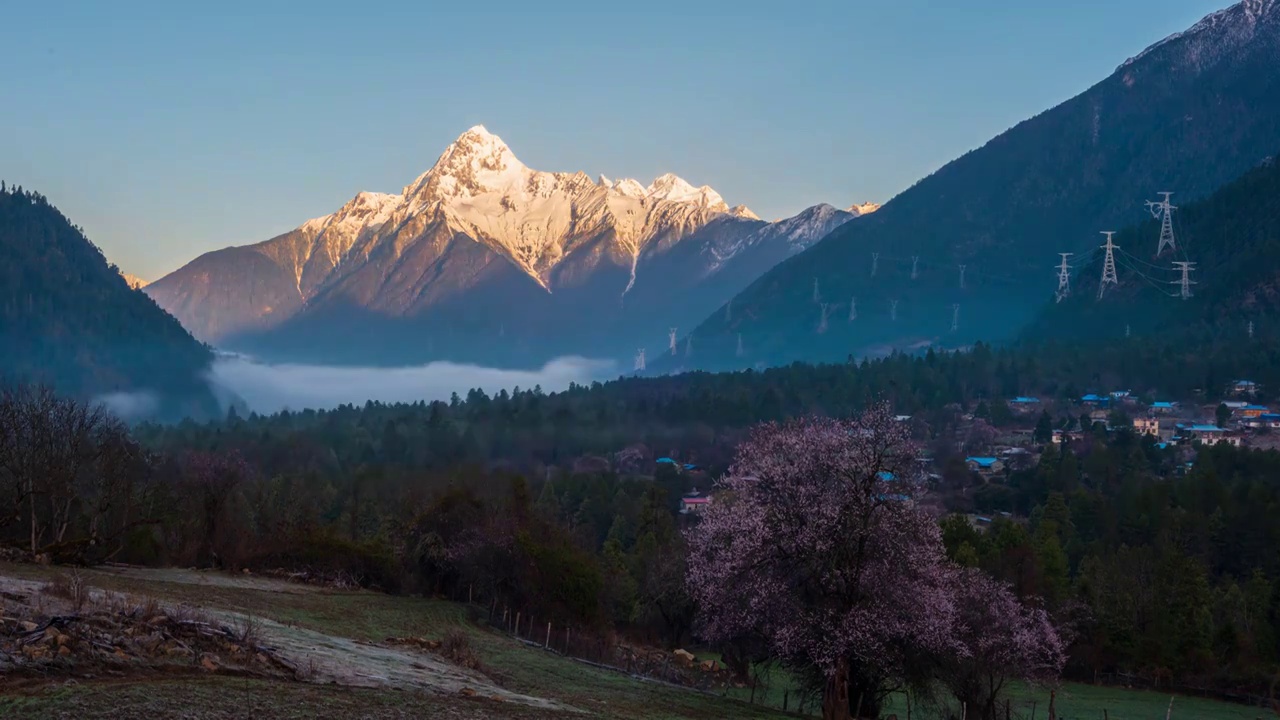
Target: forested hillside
{"points": [[69, 318], [1233, 239], [1188, 115]]}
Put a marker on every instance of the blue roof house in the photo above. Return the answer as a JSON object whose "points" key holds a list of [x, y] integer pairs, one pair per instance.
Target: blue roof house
{"points": [[984, 465]]}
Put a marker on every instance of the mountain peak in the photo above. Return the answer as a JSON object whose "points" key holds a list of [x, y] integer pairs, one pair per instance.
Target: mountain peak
{"points": [[475, 163], [865, 208], [673, 188], [1218, 32]]}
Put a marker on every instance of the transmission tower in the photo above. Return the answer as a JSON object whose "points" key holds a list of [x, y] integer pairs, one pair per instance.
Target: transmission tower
{"points": [[671, 339], [739, 352], [1186, 282], [688, 346], [893, 310], [1163, 211], [875, 263], [955, 317], [728, 311], [1064, 278], [1108, 265], [640, 360], [853, 309], [1250, 328], [827, 310], [915, 266], [962, 277], [1126, 330], [817, 296]]}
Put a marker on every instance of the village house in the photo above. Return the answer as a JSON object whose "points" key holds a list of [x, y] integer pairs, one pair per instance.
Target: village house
{"points": [[1251, 411], [985, 466], [1209, 434], [1244, 387], [694, 502], [1125, 397], [1163, 407], [1024, 405], [1061, 436], [1093, 400], [1147, 426]]}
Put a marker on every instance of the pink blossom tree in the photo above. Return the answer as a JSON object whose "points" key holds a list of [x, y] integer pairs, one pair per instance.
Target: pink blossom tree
{"points": [[1000, 639], [816, 545]]}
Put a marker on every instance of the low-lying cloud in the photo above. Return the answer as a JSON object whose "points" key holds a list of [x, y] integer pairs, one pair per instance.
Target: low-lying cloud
{"points": [[130, 406], [269, 388]]}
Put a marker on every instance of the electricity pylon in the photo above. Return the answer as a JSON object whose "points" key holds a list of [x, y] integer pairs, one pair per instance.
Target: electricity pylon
{"points": [[1186, 282], [1108, 265], [1064, 278], [1163, 211]]}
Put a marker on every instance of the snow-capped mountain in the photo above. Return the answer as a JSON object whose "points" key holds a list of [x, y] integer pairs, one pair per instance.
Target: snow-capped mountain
{"points": [[482, 245]]}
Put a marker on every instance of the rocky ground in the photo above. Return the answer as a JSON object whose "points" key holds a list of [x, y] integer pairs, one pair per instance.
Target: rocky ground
{"points": [[63, 629]]}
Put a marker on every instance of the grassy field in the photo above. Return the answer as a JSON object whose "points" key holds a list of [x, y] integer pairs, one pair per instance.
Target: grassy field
{"points": [[362, 616], [372, 617]]}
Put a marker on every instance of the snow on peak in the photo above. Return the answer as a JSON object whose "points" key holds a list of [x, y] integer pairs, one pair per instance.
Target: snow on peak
{"points": [[535, 218], [743, 211], [630, 188], [673, 188], [476, 163], [1220, 30], [865, 208]]}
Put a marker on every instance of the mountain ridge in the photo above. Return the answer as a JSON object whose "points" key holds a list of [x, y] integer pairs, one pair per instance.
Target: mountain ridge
{"points": [[467, 223], [1189, 114]]}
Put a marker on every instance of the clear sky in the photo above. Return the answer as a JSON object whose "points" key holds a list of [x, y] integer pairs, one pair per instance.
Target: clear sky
{"points": [[167, 129]]}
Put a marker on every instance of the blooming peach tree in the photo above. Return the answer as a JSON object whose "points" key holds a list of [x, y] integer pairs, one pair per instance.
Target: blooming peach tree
{"points": [[815, 543]]}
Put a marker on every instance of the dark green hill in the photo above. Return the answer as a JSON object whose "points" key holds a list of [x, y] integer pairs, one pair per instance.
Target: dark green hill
{"points": [[1188, 115], [1233, 237], [69, 318]]}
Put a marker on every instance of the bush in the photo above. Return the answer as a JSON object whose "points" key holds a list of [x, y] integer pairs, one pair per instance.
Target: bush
{"points": [[333, 560], [456, 647]]}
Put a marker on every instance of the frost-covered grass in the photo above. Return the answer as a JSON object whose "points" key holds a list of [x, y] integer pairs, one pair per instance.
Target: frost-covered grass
{"points": [[366, 617]]}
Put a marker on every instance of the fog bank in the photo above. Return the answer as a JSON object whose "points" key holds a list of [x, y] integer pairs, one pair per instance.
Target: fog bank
{"points": [[270, 388]]}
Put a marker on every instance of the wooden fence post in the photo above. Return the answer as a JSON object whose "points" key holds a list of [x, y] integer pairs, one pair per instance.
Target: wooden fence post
{"points": [[1053, 708], [547, 644], [1169, 713], [518, 629]]}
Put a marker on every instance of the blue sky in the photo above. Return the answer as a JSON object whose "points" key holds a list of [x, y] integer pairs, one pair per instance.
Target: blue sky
{"points": [[167, 132]]}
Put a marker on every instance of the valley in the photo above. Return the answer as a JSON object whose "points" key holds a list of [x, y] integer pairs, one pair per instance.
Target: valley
{"points": [[515, 443]]}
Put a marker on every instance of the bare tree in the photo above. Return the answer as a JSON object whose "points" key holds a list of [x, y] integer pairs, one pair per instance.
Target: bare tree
{"points": [[69, 470]]}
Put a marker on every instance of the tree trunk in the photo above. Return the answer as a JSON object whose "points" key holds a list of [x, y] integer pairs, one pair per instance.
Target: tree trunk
{"points": [[835, 697]]}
